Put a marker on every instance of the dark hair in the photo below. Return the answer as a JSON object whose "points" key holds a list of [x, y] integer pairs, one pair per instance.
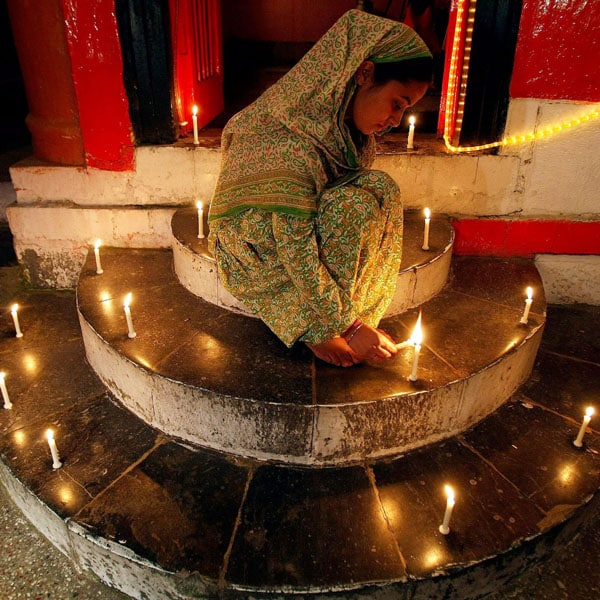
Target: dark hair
{"points": [[412, 69]]}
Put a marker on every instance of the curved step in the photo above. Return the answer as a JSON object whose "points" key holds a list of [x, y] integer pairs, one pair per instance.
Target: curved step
{"points": [[159, 520], [222, 381], [422, 276]]}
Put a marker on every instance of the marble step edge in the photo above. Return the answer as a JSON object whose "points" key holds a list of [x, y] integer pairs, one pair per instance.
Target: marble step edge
{"points": [[424, 275], [316, 435], [120, 567]]}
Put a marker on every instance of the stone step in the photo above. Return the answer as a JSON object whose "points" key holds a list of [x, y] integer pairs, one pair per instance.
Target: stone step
{"points": [[422, 276], [221, 380], [160, 520]]}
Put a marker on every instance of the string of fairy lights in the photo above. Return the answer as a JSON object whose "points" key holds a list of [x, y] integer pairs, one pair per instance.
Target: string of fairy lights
{"points": [[455, 105]]}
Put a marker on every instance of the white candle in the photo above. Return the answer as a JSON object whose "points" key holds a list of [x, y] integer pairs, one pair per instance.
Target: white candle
{"points": [[578, 441], [445, 526], [7, 403], [416, 338], [528, 302], [195, 124], [426, 229], [99, 270], [200, 219], [130, 330], [14, 311], [411, 133], [56, 464]]}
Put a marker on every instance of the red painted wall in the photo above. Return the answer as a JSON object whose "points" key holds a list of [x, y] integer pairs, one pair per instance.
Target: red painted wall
{"points": [[557, 51], [95, 51]]}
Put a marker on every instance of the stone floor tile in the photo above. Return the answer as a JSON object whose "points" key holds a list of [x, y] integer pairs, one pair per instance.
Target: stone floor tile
{"points": [[533, 449], [178, 508], [313, 529], [488, 516]]}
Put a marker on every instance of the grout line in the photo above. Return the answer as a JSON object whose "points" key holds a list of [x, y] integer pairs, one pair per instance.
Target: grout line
{"points": [[373, 481], [160, 440], [466, 444], [567, 356], [236, 525]]}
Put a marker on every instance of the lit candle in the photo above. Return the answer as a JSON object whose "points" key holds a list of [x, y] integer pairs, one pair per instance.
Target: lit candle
{"points": [[416, 338], [14, 311], [7, 403], [200, 219], [578, 441], [426, 229], [97, 254], [411, 133], [56, 464], [445, 526], [195, 124], [130, 330], [528, 302]]}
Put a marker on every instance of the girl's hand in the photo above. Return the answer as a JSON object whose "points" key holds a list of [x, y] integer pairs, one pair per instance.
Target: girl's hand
{"points": [[372, 344]]}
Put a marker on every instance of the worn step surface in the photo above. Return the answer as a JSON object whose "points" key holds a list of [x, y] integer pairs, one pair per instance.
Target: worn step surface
{"points": [[422, 275], [159, 520], [221, 380]]}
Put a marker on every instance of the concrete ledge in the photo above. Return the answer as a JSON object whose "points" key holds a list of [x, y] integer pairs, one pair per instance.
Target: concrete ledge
{"points": [[52, 240], [570, 279]]}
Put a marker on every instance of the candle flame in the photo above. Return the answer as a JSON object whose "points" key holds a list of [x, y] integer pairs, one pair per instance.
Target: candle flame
{"points": [[529, 292], [127, 300], [427, 213], [590, 411], [14, 308], [417, 335], [49, 434], [199, 205], [411, 119], [97, 244], [195, 110], [449, 493]]}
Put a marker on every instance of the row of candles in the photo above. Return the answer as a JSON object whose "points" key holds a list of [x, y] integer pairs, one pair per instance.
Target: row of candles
{"points": [[410, 143]]}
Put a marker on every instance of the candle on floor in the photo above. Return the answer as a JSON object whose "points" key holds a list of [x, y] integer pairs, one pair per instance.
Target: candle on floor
{"points": [[130, 330], [56, 464], [445, 526], [99, 270], [411, 133], [578, 441], [416, 338], [426, 229], [195, 123], [528, 302], [14, 311], [7, 403], [200, 219]]}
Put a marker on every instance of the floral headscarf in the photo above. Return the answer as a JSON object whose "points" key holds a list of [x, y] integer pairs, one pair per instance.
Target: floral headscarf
{"points": [[280, 152]]}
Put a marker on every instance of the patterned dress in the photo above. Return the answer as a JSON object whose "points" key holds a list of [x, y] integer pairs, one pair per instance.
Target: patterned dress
{"points": [[304, 234]]}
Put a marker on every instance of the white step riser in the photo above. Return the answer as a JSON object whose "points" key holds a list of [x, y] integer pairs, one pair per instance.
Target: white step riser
{"points": [[316, 435]]}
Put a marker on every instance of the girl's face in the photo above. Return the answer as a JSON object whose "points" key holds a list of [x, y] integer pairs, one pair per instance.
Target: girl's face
{"points": [[378, 107]]}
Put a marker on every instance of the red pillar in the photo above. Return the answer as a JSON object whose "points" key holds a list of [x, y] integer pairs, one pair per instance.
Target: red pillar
{"points": [[53, 120]]}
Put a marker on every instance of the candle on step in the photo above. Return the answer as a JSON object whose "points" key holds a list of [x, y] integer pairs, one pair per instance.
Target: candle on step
{"points": [[426, 229], [130, 330], [7, 403], [445, 526], [97, 245], [200, 219], [14, 311], [416, 339], [528, 302], [411, 133], [56, 464], [578, 441], [195, 123]]}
